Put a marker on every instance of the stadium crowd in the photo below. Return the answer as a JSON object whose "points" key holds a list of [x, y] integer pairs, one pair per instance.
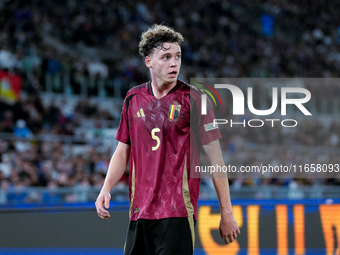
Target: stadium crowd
{"points": [[223, 39]]}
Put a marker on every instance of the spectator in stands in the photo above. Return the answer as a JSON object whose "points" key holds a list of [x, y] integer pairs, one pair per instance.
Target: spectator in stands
{"points": [[21, 130]]}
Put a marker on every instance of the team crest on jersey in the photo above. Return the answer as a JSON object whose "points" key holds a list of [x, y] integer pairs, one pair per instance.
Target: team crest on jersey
{"points": [[174, 111]]}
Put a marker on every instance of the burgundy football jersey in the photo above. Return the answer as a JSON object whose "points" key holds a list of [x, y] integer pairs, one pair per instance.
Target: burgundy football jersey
{"points": [[158, 131]]}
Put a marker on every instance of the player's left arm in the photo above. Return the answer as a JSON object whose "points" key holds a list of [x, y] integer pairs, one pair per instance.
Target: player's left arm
{"points": [[228, 225]]}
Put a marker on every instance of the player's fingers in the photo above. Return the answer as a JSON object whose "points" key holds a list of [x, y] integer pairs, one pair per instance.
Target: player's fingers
{"points": [[102, 211], [238, 231], [221, 235], [104, 214], [226, 240], [235, 235]]}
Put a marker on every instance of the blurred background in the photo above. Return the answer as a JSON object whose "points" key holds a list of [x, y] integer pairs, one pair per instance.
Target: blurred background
{"points": [[65, 68]]}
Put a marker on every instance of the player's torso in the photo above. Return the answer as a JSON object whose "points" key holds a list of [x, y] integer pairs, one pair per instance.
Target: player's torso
{"points": [[160, 143]]}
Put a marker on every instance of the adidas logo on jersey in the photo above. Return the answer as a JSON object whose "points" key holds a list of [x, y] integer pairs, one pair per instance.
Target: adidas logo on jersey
{"points": [[140, 113]]}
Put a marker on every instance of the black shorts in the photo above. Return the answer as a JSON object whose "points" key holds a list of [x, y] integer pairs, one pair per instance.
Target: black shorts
{"points": [[170, 236]]}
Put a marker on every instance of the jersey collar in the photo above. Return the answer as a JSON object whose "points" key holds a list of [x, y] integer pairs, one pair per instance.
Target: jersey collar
{"points": [[171, 91]]}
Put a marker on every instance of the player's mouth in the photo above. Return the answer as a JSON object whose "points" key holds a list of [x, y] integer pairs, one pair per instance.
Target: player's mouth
{"points": [[173, 74]]}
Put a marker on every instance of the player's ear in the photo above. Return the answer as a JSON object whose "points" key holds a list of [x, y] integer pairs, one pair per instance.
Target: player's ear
{"points": [[148, 62]]}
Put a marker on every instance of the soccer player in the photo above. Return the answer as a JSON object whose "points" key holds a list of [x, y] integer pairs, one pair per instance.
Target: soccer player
{"points": [[154, 134]]}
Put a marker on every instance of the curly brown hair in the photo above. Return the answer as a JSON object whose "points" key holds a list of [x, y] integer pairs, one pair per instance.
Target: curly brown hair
{"points": [[155, 36]]}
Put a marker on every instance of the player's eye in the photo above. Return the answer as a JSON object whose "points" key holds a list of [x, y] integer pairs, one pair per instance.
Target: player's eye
{"points": [[178, 57]]}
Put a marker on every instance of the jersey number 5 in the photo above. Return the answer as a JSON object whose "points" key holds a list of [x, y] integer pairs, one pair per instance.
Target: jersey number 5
{"points": [[155, 137]]}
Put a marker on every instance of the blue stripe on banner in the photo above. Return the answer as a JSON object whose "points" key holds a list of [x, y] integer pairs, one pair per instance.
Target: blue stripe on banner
{"points": [[124, 206], [63, 207]]}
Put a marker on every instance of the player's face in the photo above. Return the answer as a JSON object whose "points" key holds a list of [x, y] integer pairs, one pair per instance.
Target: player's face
{"points": [[165, 63]]}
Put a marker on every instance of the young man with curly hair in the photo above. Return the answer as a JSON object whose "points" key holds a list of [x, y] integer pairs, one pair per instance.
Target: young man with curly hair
{"points": [[154, 134]]}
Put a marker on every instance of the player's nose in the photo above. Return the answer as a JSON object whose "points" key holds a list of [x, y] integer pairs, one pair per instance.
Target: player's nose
{"points": [[173, 62]]}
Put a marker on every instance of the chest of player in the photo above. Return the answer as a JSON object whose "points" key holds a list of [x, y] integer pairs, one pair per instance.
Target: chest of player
{"points": [[169, 114]]}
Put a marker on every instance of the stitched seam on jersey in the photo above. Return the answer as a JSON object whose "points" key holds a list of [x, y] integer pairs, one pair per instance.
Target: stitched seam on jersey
{"points": [[144, 85], [187, 201], [133, 183], [127, 104], [150, 88]]}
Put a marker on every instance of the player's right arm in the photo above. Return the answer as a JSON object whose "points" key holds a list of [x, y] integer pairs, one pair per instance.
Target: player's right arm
{"points": [[115, 171]]}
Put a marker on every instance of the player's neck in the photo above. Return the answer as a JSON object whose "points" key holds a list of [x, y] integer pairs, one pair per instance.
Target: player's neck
{"points": [[161, 89]]}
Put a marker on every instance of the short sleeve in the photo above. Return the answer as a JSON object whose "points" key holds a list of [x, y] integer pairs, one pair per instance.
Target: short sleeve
{"points": [[204, 124]]}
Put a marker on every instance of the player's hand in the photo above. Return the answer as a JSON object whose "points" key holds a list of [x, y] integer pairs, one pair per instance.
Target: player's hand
{"points": [[229, 228], [102, 203]]}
